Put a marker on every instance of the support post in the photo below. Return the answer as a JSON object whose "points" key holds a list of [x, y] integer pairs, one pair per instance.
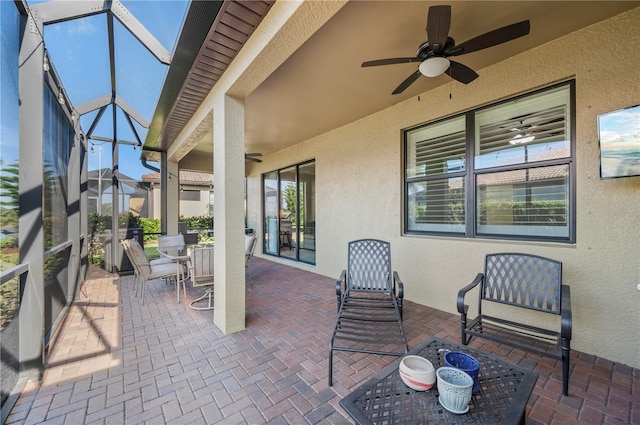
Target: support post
{"points": [[228, 147], [171, 198], [31, 235]]}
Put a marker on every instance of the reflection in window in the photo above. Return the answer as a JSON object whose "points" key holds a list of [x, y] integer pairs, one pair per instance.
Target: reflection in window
{"points": [[518, 184], [437, 205], [524, 131], [531, 202]]}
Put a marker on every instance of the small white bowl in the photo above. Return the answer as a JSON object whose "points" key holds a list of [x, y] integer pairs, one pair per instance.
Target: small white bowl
{"points": [[417, 372]]}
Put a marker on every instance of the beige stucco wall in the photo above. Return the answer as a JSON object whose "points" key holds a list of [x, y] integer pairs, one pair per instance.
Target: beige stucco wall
{"points": [[190, 208], [187, 208], [364, 199]]}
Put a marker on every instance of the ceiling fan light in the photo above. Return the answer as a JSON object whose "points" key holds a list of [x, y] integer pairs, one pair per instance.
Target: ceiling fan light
{"points": [[434, 66]]}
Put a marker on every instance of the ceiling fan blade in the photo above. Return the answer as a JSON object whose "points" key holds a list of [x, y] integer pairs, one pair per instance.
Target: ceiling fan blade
{"points": [[390, 61], [493, 38], [461, 72], [406, 83], [438, 22], [250, 156]]}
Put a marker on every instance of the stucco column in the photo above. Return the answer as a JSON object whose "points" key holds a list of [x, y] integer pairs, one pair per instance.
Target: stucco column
{"points": [[228, 169], [171, 198]]}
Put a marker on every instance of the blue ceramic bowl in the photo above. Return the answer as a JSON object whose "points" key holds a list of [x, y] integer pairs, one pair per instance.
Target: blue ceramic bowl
{"points": [[466, 363]]}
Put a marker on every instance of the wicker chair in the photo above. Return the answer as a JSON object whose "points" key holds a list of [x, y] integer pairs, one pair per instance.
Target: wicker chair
{"points": [[369, 297]]}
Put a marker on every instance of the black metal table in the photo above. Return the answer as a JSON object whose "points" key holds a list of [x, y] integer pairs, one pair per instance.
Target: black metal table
{"points": [[384, 399]]}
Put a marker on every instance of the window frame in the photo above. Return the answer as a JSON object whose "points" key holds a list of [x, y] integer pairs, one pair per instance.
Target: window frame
{"points": [[471, 173], [190, 195], [278, 172]]}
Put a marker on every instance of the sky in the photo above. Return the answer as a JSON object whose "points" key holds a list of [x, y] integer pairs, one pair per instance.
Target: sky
{"points": [[620, 130], [80, 54]]}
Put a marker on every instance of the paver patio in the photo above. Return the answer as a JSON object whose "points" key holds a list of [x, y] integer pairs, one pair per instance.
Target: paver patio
{"points": [[116, 361]]}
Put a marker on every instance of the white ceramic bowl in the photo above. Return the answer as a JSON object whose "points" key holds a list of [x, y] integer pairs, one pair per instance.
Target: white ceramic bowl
{"points": [[417, 372], [454, 389]]}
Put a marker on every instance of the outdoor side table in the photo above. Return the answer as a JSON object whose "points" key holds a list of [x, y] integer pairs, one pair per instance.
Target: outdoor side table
{"points": [[384, 399]]}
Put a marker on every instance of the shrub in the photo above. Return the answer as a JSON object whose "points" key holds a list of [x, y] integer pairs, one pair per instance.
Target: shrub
{"points": [[198, 222], [9, 242], [151, 228]]}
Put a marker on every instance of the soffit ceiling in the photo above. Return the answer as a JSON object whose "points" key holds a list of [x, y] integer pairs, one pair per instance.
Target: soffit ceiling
{"points": [[322, 86], [213, 34]]}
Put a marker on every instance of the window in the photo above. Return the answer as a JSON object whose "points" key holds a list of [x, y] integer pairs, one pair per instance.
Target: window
{"points": [[189, 195], [503, 171]]}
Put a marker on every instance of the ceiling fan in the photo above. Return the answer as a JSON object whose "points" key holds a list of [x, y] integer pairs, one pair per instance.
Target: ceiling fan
{"points": [[433, 54], [252, 157]]}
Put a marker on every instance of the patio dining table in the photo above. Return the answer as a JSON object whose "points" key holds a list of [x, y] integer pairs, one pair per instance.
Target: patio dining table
{"points": [[181, 255], [384, 399]]}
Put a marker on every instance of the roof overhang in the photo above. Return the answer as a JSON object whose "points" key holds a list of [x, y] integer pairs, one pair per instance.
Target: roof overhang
{"points": [[213, 34]]}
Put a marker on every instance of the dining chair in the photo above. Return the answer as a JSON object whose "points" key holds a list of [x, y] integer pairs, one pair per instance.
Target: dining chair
{"points": [[202, 276], [145, 270], [136, 274], [166, 241], [154, 262], [250, 243], [369, 296], [171, 240], [174, 241]]}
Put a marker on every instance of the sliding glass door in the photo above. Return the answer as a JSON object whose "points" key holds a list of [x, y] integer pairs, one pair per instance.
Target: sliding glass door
{"points": [[270, 196], [289, 212], [307, 212], [288, 230]]}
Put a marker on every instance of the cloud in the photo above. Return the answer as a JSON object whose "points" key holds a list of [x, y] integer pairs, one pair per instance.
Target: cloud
{"points": [[81, 26]]}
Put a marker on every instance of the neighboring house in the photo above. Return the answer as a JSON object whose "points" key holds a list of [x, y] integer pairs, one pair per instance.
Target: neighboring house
{"points": [[196, 193], [134, 196], [302, 67]]}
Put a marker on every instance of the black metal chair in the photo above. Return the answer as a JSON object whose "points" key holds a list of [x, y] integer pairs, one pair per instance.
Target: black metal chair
{"points": [[526, 281], [369, 297]]}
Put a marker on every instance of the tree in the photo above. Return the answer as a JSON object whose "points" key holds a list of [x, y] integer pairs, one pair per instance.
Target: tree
{"points": [[292, 201], [9, 196]]}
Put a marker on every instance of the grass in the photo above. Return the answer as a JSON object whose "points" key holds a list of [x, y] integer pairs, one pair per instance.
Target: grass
{"points": [[152, 252]]}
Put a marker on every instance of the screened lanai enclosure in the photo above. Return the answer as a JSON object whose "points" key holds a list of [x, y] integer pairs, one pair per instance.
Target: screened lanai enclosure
{"points": [[88, 88], [109, 109], [80, 83]]}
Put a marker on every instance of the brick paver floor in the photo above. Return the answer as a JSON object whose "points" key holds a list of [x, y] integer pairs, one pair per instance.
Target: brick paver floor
{"points": [[116, 361]]}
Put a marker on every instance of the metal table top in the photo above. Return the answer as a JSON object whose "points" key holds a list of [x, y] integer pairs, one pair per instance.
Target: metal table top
{"points": [[384, 399]]}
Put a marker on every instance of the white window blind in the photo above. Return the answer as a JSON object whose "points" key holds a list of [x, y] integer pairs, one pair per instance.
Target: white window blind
{"points": [[437, 149], [519, 184]]}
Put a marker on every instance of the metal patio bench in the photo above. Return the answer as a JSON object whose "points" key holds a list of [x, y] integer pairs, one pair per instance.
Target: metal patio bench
{"points": [[369, 298]]}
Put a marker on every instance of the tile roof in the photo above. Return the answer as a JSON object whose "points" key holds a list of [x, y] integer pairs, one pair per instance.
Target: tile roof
{"points": [[193, 178]]}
